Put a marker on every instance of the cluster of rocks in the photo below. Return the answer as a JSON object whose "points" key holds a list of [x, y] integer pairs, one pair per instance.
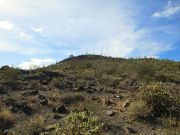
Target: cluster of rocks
{"points": [[22, 107]]}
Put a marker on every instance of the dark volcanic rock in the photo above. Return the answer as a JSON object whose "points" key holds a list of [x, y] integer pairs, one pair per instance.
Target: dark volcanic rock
{"points": [[57, 116], [61, 109], [81, 88], [33, 92], [43, 99], [131, 130], [28, 110], [22, 107], [44, 102]]}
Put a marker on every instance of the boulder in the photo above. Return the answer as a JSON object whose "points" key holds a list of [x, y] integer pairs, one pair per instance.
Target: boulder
{"points": [[28, 110], [61, 109], [22, 107], [131, 130], [44, 101]]}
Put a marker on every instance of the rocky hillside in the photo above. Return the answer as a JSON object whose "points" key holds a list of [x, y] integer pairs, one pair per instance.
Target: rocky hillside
{"points": [[91, 94]]}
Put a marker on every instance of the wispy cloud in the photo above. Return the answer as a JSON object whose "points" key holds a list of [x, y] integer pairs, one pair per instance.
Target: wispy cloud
{"points": [[54, 27], [37, 29], [168, 11], [6, 25], [36, 63]]}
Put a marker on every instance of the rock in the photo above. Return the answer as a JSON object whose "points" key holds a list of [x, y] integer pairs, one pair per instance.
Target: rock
{"points": [[118, 96], [44, 101], [28, 110], [110, 113], [45, 82], [111, 91], [41, 97], [61, 109], [22, 107], [90, 91], [14, 109], [81, 88], [33, 92], [108, 102], [125, 104], [5, 132], [131, 130], [93, 98], [57, 116]]}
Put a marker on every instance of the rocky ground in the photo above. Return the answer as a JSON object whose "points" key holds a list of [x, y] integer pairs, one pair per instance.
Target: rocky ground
{"points": [[52, 93]]}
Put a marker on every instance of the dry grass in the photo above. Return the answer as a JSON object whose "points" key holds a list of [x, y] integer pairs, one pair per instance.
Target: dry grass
{"points": [[35, 126], [138, 110], [6, 119]]}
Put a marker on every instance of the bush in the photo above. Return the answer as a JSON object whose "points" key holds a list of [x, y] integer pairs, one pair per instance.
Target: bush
{"points": [[139, 110], [160, 100], [77, 123], [73, 98], [10, 75], [88, 105], [155, 104], [6, 120], [35, 126], [145, 71]]}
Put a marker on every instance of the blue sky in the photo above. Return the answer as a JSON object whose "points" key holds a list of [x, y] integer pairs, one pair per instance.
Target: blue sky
{"points": [[38, 32]]}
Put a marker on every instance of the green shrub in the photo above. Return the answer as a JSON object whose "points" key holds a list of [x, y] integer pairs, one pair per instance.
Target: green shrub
{"points": [[77, 123], [160, 100], [10, 75]]}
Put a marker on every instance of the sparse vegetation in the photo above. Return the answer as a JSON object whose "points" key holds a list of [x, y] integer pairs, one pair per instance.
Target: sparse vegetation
{"points": [[156, 104], [110, 88], [35, 126], [139, 110], [77, 123], [6, 120], [10, 75], [160, 100]]}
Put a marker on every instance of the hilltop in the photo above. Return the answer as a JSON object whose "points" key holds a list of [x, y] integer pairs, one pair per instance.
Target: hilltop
{"points": [[128, 96]]}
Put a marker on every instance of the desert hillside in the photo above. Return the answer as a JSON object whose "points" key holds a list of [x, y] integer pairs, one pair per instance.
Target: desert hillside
{"points": [[92, 95]]}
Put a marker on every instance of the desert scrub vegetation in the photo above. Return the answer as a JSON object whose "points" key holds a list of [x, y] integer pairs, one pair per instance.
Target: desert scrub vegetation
{"points": [[10, 75], [6, 120], [77, 123], [35, 126], [73, 98], [156, 96], [156, 102], [139, 110]]}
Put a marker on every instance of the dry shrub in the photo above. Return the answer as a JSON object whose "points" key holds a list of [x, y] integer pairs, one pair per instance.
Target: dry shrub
{"points": [[139, 110], [73, 98], [35, 126], [6, 119]]}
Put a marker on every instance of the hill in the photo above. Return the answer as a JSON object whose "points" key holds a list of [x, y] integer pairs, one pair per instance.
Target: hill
{"points": [[128, 96]]}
